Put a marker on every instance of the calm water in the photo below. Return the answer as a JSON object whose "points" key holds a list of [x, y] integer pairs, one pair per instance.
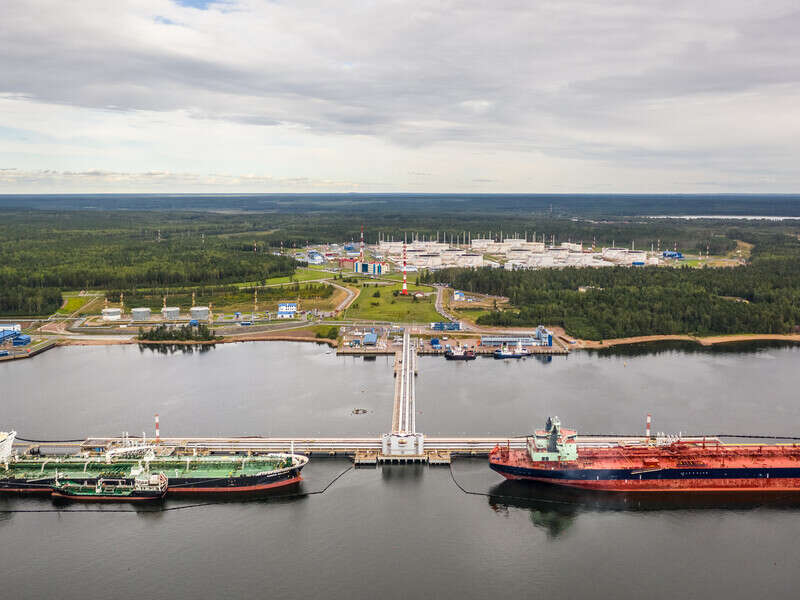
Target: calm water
{"points": [[399, 532]]}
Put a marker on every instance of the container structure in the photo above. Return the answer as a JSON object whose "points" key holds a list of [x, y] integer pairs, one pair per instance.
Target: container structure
{"points": [[140, 314], [170, 313], [22, 340]]}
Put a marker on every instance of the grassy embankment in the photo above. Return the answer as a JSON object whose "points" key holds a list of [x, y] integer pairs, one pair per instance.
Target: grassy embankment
{"points": [[388, 307]]}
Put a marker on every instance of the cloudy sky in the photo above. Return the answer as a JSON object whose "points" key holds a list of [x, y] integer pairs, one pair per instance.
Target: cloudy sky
{"points": [[367, 95]]}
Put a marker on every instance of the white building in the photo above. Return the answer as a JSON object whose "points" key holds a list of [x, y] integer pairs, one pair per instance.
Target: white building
{"points": [[287, 310]]}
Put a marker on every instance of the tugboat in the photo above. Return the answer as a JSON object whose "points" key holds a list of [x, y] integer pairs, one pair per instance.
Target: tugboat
{"points": [[459, 353], [142, 488], [507, 352]]}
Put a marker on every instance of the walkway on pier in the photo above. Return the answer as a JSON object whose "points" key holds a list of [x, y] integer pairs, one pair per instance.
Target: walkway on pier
{"points": [[404, 417]]}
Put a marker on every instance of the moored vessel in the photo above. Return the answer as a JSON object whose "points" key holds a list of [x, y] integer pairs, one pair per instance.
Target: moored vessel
{"points": [[190, 474], [460, 353], [141, 488], [506, 351], [663, 464]]}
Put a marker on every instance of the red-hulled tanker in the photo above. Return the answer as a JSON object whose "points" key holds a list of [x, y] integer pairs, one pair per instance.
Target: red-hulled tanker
{"points": [[553, 456]]}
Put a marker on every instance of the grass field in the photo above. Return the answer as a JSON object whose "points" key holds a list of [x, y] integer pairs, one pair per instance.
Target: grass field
{"points": [[471, 314], [74, 303], [300, 275], [388, 307]]}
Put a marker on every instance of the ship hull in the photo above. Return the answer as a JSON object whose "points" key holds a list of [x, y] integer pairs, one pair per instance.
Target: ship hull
{"points": [[179, 486], [136, 497], [459, 357], [233, 485], [662, 480]]}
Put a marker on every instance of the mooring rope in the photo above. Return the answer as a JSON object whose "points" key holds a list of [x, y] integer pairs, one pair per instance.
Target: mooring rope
{"points": [[504, 497]]}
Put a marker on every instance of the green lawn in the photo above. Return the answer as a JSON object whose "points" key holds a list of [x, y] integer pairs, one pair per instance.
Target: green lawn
{"points": [[74, 303], [388, 307], [300, 275], [473, 314]]}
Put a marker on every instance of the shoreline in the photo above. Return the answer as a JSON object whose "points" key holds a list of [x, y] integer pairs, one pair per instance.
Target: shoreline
{"points": [[569, 342], [229, 340], [701, 340]]}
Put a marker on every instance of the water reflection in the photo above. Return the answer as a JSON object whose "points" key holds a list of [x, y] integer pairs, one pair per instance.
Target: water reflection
{"points": [[555, 509], [173, 348], [689, 347], [402, 473]]}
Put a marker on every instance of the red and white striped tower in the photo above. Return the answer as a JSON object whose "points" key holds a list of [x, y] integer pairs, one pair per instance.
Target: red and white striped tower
{"points": [[404, 292], [649, 418], [158, 432], [361, 254]]}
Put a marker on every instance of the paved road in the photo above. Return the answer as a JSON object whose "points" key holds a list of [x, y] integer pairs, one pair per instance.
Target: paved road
{"points": [[351, 295]]}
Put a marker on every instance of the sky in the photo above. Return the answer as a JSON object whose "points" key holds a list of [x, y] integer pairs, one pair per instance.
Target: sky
{"points": [[520, 96]]}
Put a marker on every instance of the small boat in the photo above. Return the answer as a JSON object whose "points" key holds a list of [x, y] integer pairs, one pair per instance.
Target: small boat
{"points": [[459, 353], [142, 488], [507, 352]]}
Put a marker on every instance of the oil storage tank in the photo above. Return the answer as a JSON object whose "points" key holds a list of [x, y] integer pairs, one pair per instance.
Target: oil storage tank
{"points": [[170, 313], [199, 313], [140, 314]]}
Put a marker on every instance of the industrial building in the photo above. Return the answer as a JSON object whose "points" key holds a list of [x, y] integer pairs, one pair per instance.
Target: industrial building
{"points": [[170, 313], [540, 337], [112, 314], [140, 314], [371, 267]]}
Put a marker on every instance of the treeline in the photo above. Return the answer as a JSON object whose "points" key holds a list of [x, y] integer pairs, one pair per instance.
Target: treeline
{"points": [[762, 297], [21, 300], [218, 296], [93, 264], [199, 333]]}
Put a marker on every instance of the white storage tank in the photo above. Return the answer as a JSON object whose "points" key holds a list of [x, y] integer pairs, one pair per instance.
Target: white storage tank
{"points": [[140, 314], [112, 314], [199, 312], [170, 313]]}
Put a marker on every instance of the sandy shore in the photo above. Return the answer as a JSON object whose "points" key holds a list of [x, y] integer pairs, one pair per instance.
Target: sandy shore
{"points": [[703, 341]]}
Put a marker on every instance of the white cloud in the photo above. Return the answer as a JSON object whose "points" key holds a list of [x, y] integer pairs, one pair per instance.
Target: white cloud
{"points": [[546, 96]]}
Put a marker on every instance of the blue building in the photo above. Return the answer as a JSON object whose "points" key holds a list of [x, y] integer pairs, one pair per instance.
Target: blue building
{"points": [[370, 268]]}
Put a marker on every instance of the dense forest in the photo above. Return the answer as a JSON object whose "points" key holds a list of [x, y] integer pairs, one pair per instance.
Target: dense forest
{"points": [[762, 297], [219, 295], [135, 243], [199, 333], [44, 254]]}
